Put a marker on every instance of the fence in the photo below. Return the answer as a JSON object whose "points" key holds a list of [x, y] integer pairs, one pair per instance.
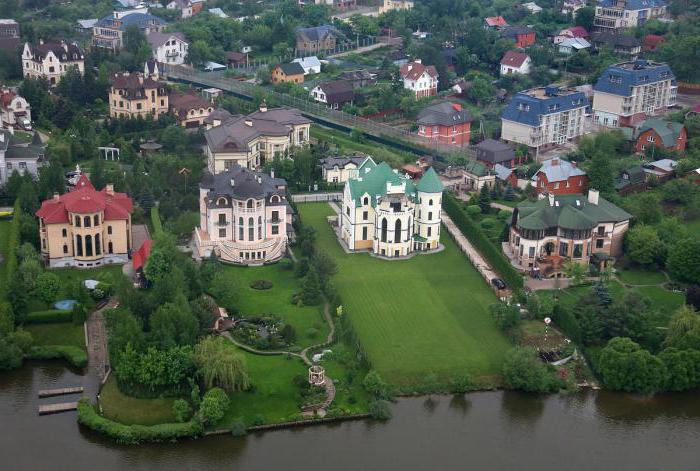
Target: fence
{"points": [[317, 197]]}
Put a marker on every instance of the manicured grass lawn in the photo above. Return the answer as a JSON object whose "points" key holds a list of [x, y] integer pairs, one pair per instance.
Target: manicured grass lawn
{"points": [[274, 397], [57, 334], [130, 410], [641, 277], [418, 317], [277, 300]]}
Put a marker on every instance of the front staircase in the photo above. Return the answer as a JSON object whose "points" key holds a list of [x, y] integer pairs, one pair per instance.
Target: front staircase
{"points": [[230, 252]]}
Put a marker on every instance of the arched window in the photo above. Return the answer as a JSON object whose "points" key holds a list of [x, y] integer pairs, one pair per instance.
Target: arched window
{"points": [[65, 248], [88, 246], [240, 228], [397, 231], [384, 229], [260, 228], [249, 204], [251, 228], [365, 201], [410, 228], [77, 221], [430, 202], [96, 220], [98, 245], [109, 230], [274, 199], [110, 248], [79, 245], [86, 221], [221, 202], [64, 233]]}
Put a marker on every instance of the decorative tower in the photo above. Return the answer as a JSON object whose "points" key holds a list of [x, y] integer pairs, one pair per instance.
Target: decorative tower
{"points": [[428, 211]]}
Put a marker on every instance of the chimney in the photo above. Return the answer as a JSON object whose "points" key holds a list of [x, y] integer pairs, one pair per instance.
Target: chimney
{"points": [[233, 182], [418, 61], [249, 122], [56, 197], [272, 173], [109, 189], [457, 106], [263, 107], [593, 196], [41, 40], [550, 196], [555, 161], [2, 137]]}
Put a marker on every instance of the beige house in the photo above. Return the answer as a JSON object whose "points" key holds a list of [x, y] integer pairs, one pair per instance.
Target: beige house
{"points": [[389, 5], [613, 15], [244, 217], [191, 110], [339, 169], [86, 228], [249, 141], [133, 95], [629, 92], [51, 60], [389, 214]]}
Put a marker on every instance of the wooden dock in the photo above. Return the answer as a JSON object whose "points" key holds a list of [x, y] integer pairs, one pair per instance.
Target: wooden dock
{"points": [[56, 408], [60, 392]]}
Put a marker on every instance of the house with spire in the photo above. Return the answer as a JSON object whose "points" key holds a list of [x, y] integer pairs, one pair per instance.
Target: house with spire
{"points": [[389, 214]]}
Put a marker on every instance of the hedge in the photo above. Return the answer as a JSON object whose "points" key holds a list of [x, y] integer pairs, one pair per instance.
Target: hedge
{"points": [[134, 434], [481, 242], [74, 355], [13, 243], [51, 316], [155, 221]]}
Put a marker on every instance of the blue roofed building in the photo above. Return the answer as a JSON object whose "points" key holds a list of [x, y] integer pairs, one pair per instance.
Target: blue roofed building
{"points": [[629, 92], [544, 117], [109, 31], [613, 15]]}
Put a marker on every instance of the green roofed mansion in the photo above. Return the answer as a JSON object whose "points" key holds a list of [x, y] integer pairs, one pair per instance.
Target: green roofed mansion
{"points": [[556, 228], [390, 214]]}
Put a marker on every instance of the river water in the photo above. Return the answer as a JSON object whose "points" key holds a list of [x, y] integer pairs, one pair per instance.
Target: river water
{"points": [[480, 431]]}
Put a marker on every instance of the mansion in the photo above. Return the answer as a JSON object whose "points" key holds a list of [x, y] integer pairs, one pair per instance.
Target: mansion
{"points": [[249, 141], [557, 228], [86, 228], [244, 217], [389, 214], [51, 60]]}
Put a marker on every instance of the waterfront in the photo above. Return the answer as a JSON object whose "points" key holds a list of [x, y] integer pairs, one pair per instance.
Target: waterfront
{"points": [[487, 430]]}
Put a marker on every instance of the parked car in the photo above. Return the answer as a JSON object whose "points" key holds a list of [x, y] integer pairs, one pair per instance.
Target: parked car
{"points": [[498, 283]]}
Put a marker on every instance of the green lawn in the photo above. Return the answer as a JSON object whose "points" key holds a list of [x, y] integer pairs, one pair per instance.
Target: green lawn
{"points": [[65, 333], [130, 410], [641, 277], [418, 317], [277, 300]]}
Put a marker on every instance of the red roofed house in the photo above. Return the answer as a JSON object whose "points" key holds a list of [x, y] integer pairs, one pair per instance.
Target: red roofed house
{"points": [[652, 41], [575, 32], [85, 228], [557, 176], [515, 63], [446, 123], [191, 110], [139, 262], [522, 35], [495, 22], [421, 80]]}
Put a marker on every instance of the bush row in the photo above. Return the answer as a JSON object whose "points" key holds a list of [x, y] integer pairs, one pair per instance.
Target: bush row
{"points": [[74, 355], [482, 243], [155, 221], [134, 434], [13, 243], [51, 316]]}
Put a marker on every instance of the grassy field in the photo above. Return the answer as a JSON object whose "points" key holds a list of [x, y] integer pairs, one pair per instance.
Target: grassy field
{"points": [[641, 277], [419, 317], [131, 410], [277, 300], [57, 334]]}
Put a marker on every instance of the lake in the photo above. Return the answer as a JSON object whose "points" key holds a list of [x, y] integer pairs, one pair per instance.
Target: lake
{"points": [[486, 430]]}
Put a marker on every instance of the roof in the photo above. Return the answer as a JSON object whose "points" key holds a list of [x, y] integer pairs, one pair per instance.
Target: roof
{"points": [[667, 165], [568, 212], [574, 31], [308, 62], [61, 49], [142, 254], [528, 106], [236, 56], [375, 183], [653, 40], [619, 79], [430, 182], [633, 4], [183, 102], [291, 68], [414, 70], [669, 131], [533, 7], [341, 161], [337, 90], [241, 183], [218, 12], [557, 169], [84, 199], [443, 114], [142, 20], [318, 33], [12, 148], [156, 39], [503, 173], [495, 151], [476, 168], [87, 24], [495, 21], [135, 85], [234, 134], [575, 43], [631, 176], [516, 30], [514, 59], [615, 39]]}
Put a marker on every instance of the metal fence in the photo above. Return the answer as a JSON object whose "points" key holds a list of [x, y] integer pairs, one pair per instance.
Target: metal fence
{"points": [[317, 197]]}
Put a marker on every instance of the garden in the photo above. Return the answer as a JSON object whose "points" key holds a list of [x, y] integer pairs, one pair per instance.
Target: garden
{"points": [[419, 321]]}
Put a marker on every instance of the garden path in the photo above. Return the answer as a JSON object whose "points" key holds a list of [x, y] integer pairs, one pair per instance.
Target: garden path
{"points": [[98, 356]]}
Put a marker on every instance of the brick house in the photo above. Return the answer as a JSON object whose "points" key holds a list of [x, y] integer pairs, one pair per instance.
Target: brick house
{"points": [[522, 35], [445, 122], [557, 176], [667, 135], [292, 72], [316, 39]]}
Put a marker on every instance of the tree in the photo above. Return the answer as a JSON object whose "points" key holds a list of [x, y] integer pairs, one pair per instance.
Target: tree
{"points": [[173, 325], [375, 385], [601, 291], [629, 317], [7, 318], [47, 286], [600, 175], [509, 193], [682, 369], [584, 17], [683, 262], [507, 316], [214, 405], [380, 409], [625, 366], [485, 199], [219, 365], [181, 410], [523, 370], [683, 329], [226, 290], [10, 353], [643, 245], [647, 209], [576, 271], [311, 289], [692, 296]]}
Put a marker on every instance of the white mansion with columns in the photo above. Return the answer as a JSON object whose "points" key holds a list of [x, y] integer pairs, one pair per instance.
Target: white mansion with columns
{"points": [[389, 214], [244, 217]]}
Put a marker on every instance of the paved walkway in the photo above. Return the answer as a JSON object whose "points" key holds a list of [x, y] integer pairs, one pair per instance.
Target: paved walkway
{"points": [[98, 354], [502, 206]]}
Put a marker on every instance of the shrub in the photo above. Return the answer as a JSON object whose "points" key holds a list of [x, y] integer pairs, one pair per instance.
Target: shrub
{"points": [[379, 409], [181, 410], [258, 419], [312, 333], [238, 428], [375, 385], [522, 370], [487, 224], [473, 210], [47, 286], [79, 314], [134, 434], [504, 215], [74, 355], [261, 284], [52, 316], [214, 405], [286, 264]]}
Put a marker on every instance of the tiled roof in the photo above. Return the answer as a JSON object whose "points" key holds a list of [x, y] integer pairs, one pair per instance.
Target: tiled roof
{"points": [[515, 31], [575, 32], [413, 70], [291, 68], [496, 21], [246, 184], [430, 182], [558, 169], [337, 90], [528, 106], [631, 176], [499, 151], [62, 50], [514, 59], [182, 103], [568, 212], [669, 131], [374, 183], [443, 114], [619, 79], [156, 39], [135, 85], [318, 33], [84, 199], [342, 160]]}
